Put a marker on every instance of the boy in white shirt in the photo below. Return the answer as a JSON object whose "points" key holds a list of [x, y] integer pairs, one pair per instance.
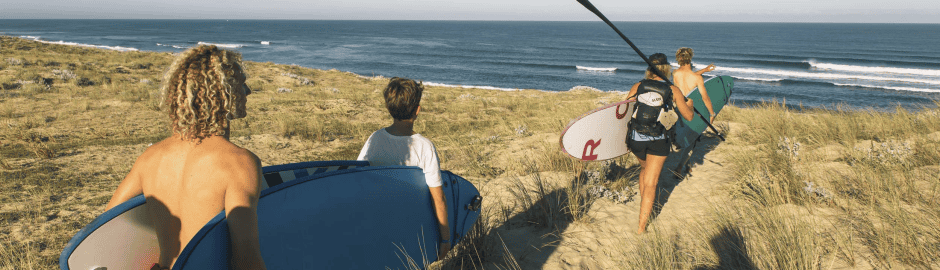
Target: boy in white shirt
{"points": [[398, 144]]}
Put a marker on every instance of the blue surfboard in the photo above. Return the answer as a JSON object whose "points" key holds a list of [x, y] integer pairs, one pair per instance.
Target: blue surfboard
{"points": [[320, 215]]}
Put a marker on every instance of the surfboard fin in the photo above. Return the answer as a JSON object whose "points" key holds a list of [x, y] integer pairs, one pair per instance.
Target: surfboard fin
{"points": [[475, 204]]}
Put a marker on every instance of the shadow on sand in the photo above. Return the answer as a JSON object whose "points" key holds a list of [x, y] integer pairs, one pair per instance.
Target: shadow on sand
{"points": [[731, 249], [532, 236], [672, 174]]}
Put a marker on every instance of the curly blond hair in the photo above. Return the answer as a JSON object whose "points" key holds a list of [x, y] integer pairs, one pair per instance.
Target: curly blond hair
{"points": [[684, 56], [199, 91]]}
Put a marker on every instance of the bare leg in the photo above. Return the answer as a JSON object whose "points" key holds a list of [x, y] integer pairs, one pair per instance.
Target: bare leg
{"points": [[649, 179], [642, 173]]}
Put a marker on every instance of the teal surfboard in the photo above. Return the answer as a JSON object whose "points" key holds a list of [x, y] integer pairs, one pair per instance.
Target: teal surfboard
{"points": [[719, 90]]}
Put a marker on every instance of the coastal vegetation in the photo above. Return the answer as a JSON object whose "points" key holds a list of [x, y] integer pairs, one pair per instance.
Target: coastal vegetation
{"points": [[791, 188]]}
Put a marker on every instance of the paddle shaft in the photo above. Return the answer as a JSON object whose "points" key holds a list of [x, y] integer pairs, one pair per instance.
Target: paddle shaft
{"points": [[587, 4]]}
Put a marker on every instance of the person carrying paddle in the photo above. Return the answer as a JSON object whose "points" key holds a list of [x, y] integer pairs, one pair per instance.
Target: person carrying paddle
{"points": [[196, 173], [687, 80], [646, 137], [398, 144]]}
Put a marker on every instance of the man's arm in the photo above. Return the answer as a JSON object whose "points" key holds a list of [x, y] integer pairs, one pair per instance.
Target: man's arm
{"points": [[710, 67], [684, 109], [129, 187], [708, 101], [365, 149], [241, 209], [440, 210]]}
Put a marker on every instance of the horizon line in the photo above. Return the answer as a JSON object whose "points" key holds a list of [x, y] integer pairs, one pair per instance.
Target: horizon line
{"points": [[419, 20]]}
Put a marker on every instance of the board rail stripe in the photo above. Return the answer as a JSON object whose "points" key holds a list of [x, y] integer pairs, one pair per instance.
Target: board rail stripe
{"points": [[280, 174], [273, 179]]}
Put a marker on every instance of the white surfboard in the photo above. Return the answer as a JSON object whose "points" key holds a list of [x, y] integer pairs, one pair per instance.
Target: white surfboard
{"points": [[598, 134]]}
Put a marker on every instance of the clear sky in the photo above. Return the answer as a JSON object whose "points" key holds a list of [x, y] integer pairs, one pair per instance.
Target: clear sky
{"points": [[870, 11]]}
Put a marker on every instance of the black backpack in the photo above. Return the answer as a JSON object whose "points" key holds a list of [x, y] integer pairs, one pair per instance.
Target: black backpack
{"points": [[653, 98]]}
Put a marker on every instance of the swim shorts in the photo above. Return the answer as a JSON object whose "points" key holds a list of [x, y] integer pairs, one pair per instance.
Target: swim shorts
{"points": [[655, 147]]}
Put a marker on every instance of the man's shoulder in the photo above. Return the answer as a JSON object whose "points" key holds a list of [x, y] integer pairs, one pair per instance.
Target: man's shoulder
{"points": [[423, 145], [379, 132], [219, 150], [683, 72], [422, 139]]}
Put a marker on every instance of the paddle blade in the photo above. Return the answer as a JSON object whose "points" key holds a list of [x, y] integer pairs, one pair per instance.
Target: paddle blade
{"points": [[587, 4]]}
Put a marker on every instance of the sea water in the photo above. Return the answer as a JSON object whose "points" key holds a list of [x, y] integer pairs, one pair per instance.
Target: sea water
{"points": [[860, 66]]}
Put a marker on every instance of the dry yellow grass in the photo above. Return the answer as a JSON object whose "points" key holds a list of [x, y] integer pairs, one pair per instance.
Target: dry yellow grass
{"points": [[788, 190]]}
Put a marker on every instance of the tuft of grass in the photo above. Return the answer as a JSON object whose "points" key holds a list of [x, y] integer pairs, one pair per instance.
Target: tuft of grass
{"points": [[4, 165], [31, 141], [657, 251], [545, 206], [18, 255], [298, 127], [784, 241]]}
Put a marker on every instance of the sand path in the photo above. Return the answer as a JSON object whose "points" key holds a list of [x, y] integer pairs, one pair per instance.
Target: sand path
{"points": [[601, 241]]}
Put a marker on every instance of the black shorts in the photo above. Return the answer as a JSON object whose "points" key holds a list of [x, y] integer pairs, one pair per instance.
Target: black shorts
{"points": [[641, 149]]}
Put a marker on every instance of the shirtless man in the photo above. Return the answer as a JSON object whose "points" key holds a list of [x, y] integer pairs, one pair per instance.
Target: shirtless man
{"points": [[686, 79], [194, 174]]}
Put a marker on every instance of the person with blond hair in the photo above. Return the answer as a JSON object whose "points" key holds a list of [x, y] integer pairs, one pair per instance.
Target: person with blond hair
{"points": [[687, 79], [191, 176], [399, 144], [647, 136]]}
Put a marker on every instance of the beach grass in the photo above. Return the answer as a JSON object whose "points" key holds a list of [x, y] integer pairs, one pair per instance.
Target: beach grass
{"points": [[808, 189]]}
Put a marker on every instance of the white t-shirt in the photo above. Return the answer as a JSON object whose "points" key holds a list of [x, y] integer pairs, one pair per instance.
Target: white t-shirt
{"points": [[383, 149]]}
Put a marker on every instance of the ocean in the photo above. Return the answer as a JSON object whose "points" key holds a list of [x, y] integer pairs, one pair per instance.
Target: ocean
{"points": [[857, 66]]}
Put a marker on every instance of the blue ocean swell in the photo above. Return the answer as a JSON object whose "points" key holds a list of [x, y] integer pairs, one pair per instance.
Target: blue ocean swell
{"points": [[865, 65]]}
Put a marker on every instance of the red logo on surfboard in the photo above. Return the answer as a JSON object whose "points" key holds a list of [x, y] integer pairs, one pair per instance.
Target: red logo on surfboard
{"points": [[624, 114], [592, 145]]}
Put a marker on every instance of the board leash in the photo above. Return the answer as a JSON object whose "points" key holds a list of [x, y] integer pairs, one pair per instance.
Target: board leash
{"points": [[587, 4]]}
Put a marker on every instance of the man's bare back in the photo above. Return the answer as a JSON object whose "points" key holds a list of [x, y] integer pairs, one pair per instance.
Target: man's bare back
{"points": [[687, 80], [187, 184]]}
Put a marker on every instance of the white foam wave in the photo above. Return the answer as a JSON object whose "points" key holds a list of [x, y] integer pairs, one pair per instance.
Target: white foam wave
{"points": [[514, 89], [758, 79], [223, 45], [596, 68], [60, 42], [173, 46], [868, 69], [899, 88], [265, 43], [783, 74]]}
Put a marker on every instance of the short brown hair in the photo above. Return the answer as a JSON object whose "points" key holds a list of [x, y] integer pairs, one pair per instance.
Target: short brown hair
{"points": [[199, 91], [402, 97]]}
